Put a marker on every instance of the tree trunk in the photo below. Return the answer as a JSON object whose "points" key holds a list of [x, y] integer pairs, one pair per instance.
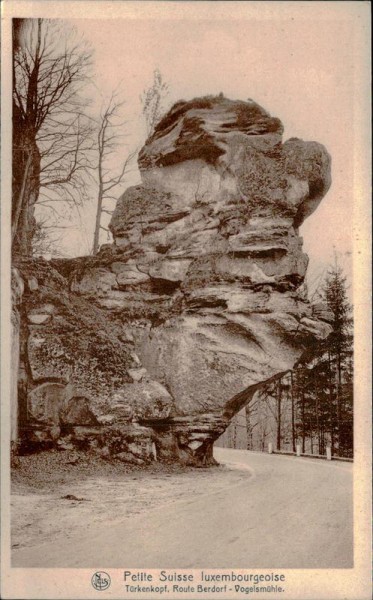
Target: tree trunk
{"points": [[279, 398], [19, 205], [234, 426], [339, 405], [303, 424], [318, 422], [25, 195], [263, 437], [249, 431], [331, 405], [96, 236], [322, 438], [229, 431], [25, 184], [293, 436]]}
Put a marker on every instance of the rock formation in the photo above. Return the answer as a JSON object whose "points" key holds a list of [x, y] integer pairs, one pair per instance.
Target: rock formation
{"points": [[168, 332]]}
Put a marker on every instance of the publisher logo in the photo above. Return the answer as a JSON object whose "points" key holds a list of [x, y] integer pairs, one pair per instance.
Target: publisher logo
{"points": [[101, 581]]}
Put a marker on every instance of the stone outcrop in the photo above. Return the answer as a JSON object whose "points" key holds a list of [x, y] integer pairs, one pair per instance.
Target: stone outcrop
{"points": [[17, 287], [169, 331]]}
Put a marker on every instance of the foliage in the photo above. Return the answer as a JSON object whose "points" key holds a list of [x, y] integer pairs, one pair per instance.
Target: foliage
{"points": [[323, 385], [153, 101], [83, 334], [263, 185]]}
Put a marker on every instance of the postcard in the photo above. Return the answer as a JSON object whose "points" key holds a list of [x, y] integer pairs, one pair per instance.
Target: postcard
{"points": [[186, 300]]}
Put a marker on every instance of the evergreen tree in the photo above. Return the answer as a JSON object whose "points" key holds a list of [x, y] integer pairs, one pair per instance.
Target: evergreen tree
{"points": [[322, 387], [340, 354], [325, 390]]}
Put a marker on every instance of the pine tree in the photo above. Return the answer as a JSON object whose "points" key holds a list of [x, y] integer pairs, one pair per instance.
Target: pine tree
{"points": [[340, 354], [322, 387]]}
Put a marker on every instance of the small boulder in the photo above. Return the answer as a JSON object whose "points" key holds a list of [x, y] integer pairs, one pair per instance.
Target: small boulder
{"points": [[170, 270], [38, 319], [106, 419], [127, 457], [131, 276], [77, 412], [137, 374], [97, 281], [45, 402], [32, 284]]}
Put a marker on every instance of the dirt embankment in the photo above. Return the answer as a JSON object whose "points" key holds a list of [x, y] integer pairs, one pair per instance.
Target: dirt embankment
{"points": [[63, 494]]}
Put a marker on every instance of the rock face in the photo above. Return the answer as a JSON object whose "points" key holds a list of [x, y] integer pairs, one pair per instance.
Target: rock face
{"points": [[203, 284], [17, 291]]}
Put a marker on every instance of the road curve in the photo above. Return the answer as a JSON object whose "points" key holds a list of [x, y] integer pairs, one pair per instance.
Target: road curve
{"points": [[287, 513]]}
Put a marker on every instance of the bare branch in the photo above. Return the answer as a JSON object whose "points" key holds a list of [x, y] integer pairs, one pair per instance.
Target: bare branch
{"points": [[111, 172], [50, 70]]}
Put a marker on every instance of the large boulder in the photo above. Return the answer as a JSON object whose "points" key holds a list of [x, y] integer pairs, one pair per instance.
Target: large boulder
{"points": [[199, 300], [215, 226]]}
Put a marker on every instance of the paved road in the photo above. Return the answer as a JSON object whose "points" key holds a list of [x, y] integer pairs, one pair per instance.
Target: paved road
{"points": [[287, 513]]}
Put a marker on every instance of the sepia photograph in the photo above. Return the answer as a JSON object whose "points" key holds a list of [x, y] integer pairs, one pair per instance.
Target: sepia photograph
{"points": [[184, 239]]}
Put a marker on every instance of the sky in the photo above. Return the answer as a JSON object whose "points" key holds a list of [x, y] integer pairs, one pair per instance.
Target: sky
{"points": [[299, 69]]}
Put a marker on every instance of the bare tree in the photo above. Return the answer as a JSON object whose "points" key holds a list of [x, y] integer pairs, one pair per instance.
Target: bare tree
{"points": [[110, 171], [279, 413], [51, 135], [251, 421], [44, 242], [153, 101]]}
